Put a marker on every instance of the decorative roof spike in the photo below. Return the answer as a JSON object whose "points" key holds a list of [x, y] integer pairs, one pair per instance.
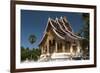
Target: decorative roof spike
{"points": [[56, 18], [65, 18], [61, 17], [49, 18]]}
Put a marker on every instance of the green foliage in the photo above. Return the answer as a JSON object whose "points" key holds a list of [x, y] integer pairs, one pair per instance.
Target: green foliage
{"points": [[29, 54], [24, 54], [86, 26], [84, 31]]}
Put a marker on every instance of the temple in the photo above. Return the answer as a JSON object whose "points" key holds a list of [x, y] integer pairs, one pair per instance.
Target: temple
{"points": [[59, 41]]}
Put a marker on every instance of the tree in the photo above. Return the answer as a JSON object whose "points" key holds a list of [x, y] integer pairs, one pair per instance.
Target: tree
{"points": [[84, 32], [86, 25], [24, 53], [34, 53], [30, 54]]}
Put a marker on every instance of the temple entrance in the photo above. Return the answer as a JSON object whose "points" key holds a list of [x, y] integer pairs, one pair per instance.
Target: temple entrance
{"points": [[75, 49], [51, 46], [59, 47], [67, 46]]}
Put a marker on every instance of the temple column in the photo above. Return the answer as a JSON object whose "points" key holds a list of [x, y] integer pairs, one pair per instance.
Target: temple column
{"points": [[71, 49], [56, 46], [42, 50], [48, 47], [78, 47], [63, 47]]}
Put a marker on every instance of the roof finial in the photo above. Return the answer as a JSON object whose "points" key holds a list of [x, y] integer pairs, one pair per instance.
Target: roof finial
{"points": [[49, 18], [56, 18], [61, 17], [65, 18]]}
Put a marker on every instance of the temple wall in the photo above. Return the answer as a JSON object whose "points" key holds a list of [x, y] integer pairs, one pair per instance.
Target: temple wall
{"points": [[60, 46]]}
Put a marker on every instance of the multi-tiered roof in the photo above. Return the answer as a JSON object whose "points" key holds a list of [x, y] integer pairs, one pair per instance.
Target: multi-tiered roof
{"points": [[62, 28]]}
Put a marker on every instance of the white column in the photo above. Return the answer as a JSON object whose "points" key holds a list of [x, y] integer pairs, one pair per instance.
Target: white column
{"points": [[42, 50], [71, 49], [48, 47], [63, 47], [56, 47], [78, 47]]}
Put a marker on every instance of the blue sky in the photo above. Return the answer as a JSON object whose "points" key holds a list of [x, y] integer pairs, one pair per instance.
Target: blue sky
{"points": [[34, 22]]}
